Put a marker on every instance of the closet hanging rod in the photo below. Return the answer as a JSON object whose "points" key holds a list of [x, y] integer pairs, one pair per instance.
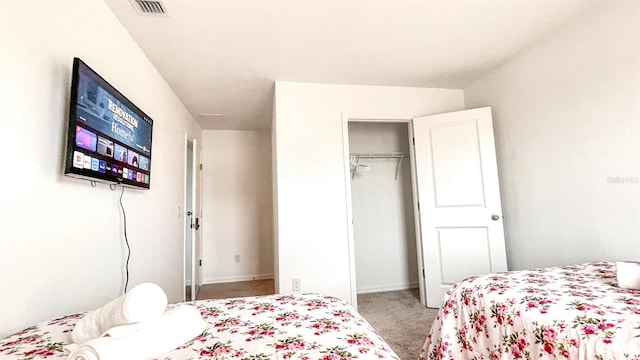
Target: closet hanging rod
{"points": [[355, 157], [394, 155]]}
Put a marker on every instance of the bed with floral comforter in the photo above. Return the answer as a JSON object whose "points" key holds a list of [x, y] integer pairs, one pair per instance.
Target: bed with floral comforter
{"points": [[571, 312], [300, 326]]}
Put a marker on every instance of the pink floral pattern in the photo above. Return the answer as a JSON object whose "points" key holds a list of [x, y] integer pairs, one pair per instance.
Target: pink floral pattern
{"points": [[300, 326], [570, 312]]}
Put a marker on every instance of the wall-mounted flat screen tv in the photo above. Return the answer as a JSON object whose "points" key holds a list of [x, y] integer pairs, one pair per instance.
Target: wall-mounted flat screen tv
{"points": [[109, 138]]}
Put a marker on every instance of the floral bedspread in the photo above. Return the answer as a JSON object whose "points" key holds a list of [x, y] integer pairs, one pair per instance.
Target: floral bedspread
{"points": [[300, 326], [571, 312]]}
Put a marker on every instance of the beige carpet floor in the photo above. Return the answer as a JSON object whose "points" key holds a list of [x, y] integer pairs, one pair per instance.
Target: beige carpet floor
{"points": [[236, 289], [399, 318]]}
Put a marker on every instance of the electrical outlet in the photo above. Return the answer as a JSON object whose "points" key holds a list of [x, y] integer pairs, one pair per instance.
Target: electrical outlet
{"points": [[295, 284], [237, 258]]}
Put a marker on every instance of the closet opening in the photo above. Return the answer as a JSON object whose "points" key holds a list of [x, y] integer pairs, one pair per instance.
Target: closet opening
{"points": [[384, 244]]}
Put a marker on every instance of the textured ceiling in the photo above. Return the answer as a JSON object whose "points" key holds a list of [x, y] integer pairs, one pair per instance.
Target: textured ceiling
{"points": [[222, 57]]}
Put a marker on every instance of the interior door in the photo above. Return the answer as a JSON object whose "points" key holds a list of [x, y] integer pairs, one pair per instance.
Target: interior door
{"points": [[189, 222], [193, 275], [197, 236], [459, 204]]}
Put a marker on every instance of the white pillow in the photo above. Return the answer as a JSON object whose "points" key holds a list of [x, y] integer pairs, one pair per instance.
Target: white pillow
{"points": [[628, 274]]}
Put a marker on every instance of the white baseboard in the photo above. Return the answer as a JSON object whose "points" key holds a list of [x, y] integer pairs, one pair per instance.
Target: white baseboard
{"points": [[228, 279], [386, 287]]}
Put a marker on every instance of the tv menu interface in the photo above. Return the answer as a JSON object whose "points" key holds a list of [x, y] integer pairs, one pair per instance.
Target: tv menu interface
{"points": [[112, 139]]}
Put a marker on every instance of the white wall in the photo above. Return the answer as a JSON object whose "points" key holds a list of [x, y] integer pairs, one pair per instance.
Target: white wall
{"points": [[237, 206], [310, 179], [61, 243], [567, 123], [383, 219]]}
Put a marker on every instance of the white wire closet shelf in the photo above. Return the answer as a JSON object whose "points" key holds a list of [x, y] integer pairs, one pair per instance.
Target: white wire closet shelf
{"points": [[354, 160]]}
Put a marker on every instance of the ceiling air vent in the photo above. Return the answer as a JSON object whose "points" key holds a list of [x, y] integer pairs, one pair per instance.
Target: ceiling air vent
{"points": [[149, 7]]}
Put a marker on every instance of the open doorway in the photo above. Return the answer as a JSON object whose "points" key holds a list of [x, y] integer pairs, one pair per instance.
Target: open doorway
{"points": [[456, 198], [384, 231]]}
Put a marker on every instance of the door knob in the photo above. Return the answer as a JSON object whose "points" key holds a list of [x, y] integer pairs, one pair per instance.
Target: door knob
{"points": [[495, 217]]}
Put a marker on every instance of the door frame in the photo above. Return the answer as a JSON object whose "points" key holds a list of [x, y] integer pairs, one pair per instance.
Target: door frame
{"points": [[379, 118]]}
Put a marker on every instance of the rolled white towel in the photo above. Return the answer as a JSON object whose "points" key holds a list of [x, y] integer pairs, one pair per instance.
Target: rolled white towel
{"points": [[124, 330], [174, 328], [144, 302], [628, 274]]}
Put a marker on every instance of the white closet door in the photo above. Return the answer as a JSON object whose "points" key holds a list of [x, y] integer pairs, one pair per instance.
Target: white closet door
{"points": [[459, 198]]}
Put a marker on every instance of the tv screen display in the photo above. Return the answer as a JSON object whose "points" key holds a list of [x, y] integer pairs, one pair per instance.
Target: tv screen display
{"points": [[109, 138]]}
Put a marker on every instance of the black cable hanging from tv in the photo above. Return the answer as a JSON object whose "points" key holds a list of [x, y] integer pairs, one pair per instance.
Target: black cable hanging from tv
{"points": [[124, 218]]}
